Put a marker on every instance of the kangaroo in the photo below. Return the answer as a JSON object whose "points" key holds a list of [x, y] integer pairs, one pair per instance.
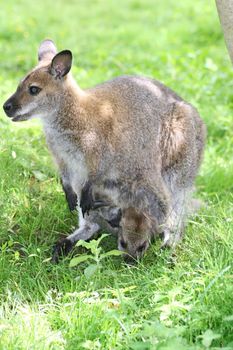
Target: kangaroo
{"points": [[128, 150]]}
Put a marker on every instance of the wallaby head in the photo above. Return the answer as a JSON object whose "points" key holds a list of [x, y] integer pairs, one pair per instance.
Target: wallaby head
{"points": [[134, 240], [38, 94]]}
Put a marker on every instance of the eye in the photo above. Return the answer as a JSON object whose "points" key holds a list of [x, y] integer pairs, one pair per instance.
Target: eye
{"points": [[123, 244], [34, 90]]}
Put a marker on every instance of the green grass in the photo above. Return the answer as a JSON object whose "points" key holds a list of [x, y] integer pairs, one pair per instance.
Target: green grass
{"points": [[166, 302]]}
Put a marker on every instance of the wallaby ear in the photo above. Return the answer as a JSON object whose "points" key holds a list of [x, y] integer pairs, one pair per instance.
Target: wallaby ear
{"points": [[61, 64], [47, 49]]}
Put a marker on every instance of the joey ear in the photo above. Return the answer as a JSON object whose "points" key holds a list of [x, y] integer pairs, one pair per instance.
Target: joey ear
{"points": [[61, 64], [47, 49]]}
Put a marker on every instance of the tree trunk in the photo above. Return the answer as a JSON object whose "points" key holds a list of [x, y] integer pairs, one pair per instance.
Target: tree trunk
{"points": [[225, 11]]}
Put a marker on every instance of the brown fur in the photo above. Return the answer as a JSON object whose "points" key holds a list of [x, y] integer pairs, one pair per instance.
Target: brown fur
{"points": [[135, 141]]}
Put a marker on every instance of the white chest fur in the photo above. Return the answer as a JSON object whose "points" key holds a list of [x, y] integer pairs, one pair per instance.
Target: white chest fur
{"points": [[67, 154]]}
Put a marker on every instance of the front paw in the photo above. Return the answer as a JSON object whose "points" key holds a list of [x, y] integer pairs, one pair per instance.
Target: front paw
{"points": [[62, 248], [71, 196], [86, 200]]}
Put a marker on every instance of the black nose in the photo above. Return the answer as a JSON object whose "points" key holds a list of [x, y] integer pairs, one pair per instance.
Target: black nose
{"points": [[129, 260], [7, 106]]}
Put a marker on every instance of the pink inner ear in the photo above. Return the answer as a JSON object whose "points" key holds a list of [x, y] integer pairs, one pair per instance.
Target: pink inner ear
{"points": [[47, 50], [59, 70]]}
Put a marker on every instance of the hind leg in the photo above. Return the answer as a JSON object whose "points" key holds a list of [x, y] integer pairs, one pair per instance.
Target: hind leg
{"points": [[174, 227]]}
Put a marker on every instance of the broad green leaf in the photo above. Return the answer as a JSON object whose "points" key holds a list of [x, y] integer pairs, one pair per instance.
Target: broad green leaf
{"points": [[228, 318], [90, 270], [102, 237], [78, 259], [208, 337], [82, 243], [39, 175], [176, 343], [91, 344], [139, 345], [17, 255], [114, 252], [92, 246], [209, 64]]}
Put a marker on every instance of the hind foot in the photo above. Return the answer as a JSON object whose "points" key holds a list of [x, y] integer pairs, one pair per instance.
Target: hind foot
{"points": [[61, 248], [170, 239]]}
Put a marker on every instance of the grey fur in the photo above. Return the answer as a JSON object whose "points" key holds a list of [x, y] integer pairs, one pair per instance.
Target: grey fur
{"points": [[136, 141]]}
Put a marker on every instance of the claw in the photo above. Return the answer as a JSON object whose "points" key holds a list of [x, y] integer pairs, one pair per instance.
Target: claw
{"points": [[99, 204], [71, 196], [87, 201]]}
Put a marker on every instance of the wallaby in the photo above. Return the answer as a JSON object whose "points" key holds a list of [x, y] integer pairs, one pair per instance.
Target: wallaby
{"points": [[130, 145]]}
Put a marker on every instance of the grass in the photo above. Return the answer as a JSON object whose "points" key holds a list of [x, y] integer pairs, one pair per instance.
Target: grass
{"points": [[165, 302]]}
